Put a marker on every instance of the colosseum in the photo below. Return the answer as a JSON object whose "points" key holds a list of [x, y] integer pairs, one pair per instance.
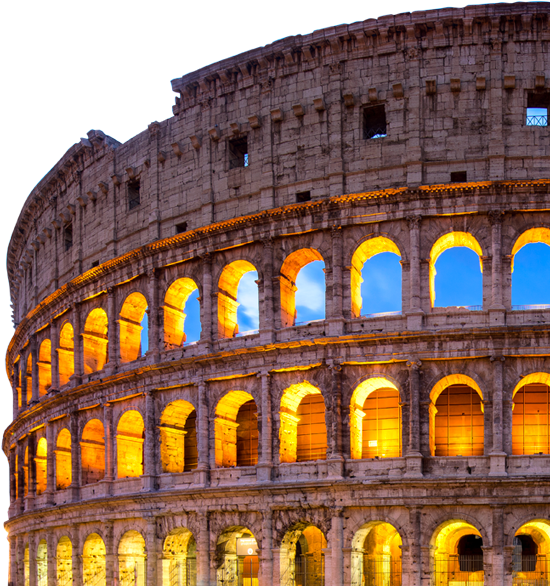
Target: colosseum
{"points": [[403, 448]]}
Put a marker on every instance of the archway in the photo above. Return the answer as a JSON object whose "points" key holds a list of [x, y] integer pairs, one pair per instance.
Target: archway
{"points": [[26, 565], [237, 558], [530, 275], [375, 420], [93, 561], [376, 555], [182, 292], [28, 379], [236, 430], [228, 286], [531, 556], [179, 563], [95, 341], [64, 561], [66, 353], [44, 367], [129, 441], [63, 466], [92, 452], [303, 432], [531, 415], [42, 564], [302, 560], [41, 465], [131, 325], [458, 554], [131, 559], [178, 437]]}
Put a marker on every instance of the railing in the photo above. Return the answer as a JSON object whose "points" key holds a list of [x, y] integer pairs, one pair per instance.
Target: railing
{"points": [[42, 573], [383, 314], [98, 578], [379, 132], [247, 333], [309, 571], [465, 570], [64, 578], [228, 573], [537, 120], [183, 572], [528, 307], [530, 570], [308, 322]]}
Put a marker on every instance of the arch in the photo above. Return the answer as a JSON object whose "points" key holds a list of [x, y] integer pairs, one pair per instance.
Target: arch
{"points": [[64, 561], [44, 367], [531, 415], [93, 561], [28, 379], [375, 419], [179, 563], [178, 437], [365, 251], [63, 465], [65, 353], [41, 465], [302, 559], [236, 430], [302, 432], [454, 379], [531, 551], [131, 559], [292, 265], [42, 563], [130, 326], [237, 554], [228, 285], [129, 442], [175, 300], [92, 452], [94, 341], [376, 555], [531, 236], [446, 242]]}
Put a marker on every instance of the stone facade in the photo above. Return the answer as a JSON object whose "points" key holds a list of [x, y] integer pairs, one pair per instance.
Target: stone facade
{"points": [[97, 449]]}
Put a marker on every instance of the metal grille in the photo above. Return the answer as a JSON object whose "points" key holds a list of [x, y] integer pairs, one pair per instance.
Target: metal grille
{"points": [[464, 570], [537, 120], [183, 572], [381, 570], [530, 570], [228, 573], [64, 578], [128, 576], [98, 578], [309, 571], [42, 573]]}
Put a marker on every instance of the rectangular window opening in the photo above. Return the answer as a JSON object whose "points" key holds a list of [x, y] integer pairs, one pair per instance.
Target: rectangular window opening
{"points": [[180, 228], [459, 177], [68, 235], [238, 152], [537, 109], [134, 198], [303, 196], [374, 122], [95, 264]]}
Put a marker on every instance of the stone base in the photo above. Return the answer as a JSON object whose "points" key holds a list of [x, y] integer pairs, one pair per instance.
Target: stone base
{"points": [[414, 466], [203, 476], [148, 483], [497, 464], [335, 327], [415, 320], [335, 468], [497, 316], [263, 472]]}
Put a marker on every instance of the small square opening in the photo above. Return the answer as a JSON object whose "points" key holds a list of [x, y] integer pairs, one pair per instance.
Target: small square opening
{"points": [[374, 122], [459, 176], [537, 109], [238, 152], [68, 235], [134, 198], [95, 264], [303, 196], [182, 227]]}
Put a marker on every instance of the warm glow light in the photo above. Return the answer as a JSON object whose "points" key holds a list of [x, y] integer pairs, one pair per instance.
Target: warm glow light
{"points": [[131, 316], [95, 341], [174, 318]]}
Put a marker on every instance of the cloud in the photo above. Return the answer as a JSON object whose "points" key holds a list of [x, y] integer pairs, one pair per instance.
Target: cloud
{"points": [[247, 296], [311, 287]]}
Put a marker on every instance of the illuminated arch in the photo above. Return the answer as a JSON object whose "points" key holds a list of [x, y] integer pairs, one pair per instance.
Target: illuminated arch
{"points": [[366, 420], [66, 353], [532, 236], [531, 415], [179, 555], [237, 548], [131, 559], [446, 242], [92, 452], [298, 424], [93, 561], [362, 254], [42, 563], [44, 367], [63, 465], [178, 437], [41, 465], [292, 265], [174, 317], [94, 340], [236, 441], [130, 319], [129, 441], [64, 561], [531, 549], [227, 296], [301, 555]]}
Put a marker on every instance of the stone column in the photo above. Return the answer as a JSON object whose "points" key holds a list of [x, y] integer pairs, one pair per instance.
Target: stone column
{"points": [[414, 454], [78, 348], [203, 550], [154, 315], [50, 464], [335, 318], [207, 316], [203, 465], [266, 557], [497, 311], [415, 561], [152, 551], [498, 547], [20, 476], [337, 543], [54, 339], [111, 566], [76, 556], [113, 353], [75, 457], [497, 455], [24, 392], [335, 459], [508, 566], [265, 465], [13, 476], [415, 313], [14, 385], [32, 560], [267, 315], [151, 457], [110, 474], [35, 385], [20, 560], [12, 577], [52, 559]]}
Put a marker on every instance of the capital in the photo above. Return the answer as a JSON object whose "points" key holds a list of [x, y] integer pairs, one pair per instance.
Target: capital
{"points": [[414, 221]]}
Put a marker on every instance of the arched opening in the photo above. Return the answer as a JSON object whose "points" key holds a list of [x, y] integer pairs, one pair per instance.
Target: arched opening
{"points": [[29, 379], [44, 367], [93, 561], [303, 432], [131, 324], [181, 302], [459, 283], [301, 556], [531, 554], [131, 559], [376, 284], [530, 415], [236, 430], [66, 353], [456, 417], [94, 340], [179, 563], [178, 437], [64, 562], [92, 452], [129, 441], [375, 420], [41, 465], [26, 567], [233, 292], [302, 299], [63, 466], [237, 558], [458, 554], [530, 274], [26, 473], [17, 373], [42, 564], [376, 555]]}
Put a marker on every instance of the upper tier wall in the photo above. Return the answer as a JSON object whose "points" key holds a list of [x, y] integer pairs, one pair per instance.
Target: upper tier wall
{"points": [[454, 84]]}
